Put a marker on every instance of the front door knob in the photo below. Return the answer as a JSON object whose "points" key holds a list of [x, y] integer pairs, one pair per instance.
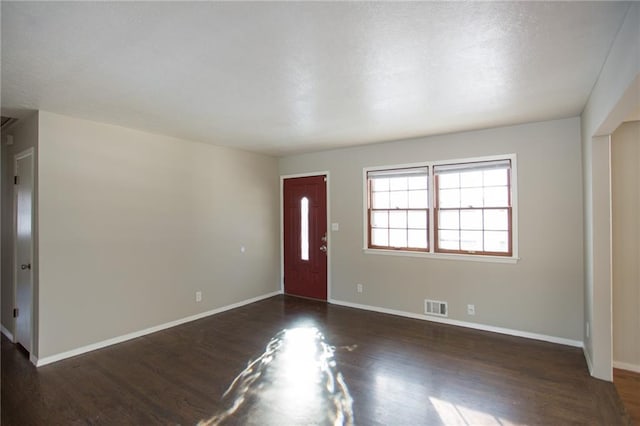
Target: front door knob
{"points": [[323, 248]]}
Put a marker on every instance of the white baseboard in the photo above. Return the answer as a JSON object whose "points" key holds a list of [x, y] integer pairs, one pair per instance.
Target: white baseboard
{"points": [[119, 339], [626, 366], [6, 332], [483, 327], [588, 358]]}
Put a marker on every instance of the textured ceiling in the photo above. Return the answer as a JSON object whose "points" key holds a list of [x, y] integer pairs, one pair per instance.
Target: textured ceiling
{"points": [[289, 77]]}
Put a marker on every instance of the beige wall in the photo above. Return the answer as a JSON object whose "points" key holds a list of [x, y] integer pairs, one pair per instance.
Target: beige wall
{"points": [[133, 224], [541, 294], [625, 195], [25, 136], [613, 98]]}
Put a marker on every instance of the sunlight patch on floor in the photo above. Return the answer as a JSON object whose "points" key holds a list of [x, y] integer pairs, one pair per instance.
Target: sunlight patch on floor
{"points": [[456, 414]]}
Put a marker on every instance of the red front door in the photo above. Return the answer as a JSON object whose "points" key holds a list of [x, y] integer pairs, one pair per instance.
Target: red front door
{"points": [[305, 237]]}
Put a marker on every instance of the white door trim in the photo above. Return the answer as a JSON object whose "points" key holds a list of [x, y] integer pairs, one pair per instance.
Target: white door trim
{"points": [[282, 178], [30, 152]]}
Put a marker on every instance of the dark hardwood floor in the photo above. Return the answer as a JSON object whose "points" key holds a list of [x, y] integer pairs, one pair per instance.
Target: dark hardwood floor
{"points": [[332, 364], [628, 385]]}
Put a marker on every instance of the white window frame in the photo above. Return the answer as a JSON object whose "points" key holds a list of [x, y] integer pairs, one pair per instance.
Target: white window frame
{"points": [[431, 231]]}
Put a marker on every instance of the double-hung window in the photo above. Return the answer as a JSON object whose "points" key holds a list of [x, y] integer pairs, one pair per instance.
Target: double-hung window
{"points": [[459, 207], [473, 208], [398, 209]]}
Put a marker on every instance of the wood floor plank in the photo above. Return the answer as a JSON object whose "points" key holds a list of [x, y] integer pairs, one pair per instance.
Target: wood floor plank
{"points": [[395, 371], [628, 385]]}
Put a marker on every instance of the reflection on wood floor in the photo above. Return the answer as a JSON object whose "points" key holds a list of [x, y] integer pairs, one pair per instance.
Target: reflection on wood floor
{"points": [[296, 366], [294, 361]]}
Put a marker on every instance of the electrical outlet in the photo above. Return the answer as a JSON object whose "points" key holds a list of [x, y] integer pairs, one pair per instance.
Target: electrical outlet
{"points": [[198, 296], [359, 288], [471, 309]]}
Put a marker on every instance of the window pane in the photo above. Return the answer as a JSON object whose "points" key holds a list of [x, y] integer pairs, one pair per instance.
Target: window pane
{"points": [[418, 199], [304, 228], [471, 197], [398, 219], [471, 219], [398, 183], [496, 220], [449, 180], [380, 200], [469, 179], [417, 219], [471, 240], [495, 177], [379, 237], [397, 237], [380, 184], [449, 240], [418, 182], [417, 238], [496, 196], [398, 200], [449, 219], [497, 241], [380, 219], [449, 198]]}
